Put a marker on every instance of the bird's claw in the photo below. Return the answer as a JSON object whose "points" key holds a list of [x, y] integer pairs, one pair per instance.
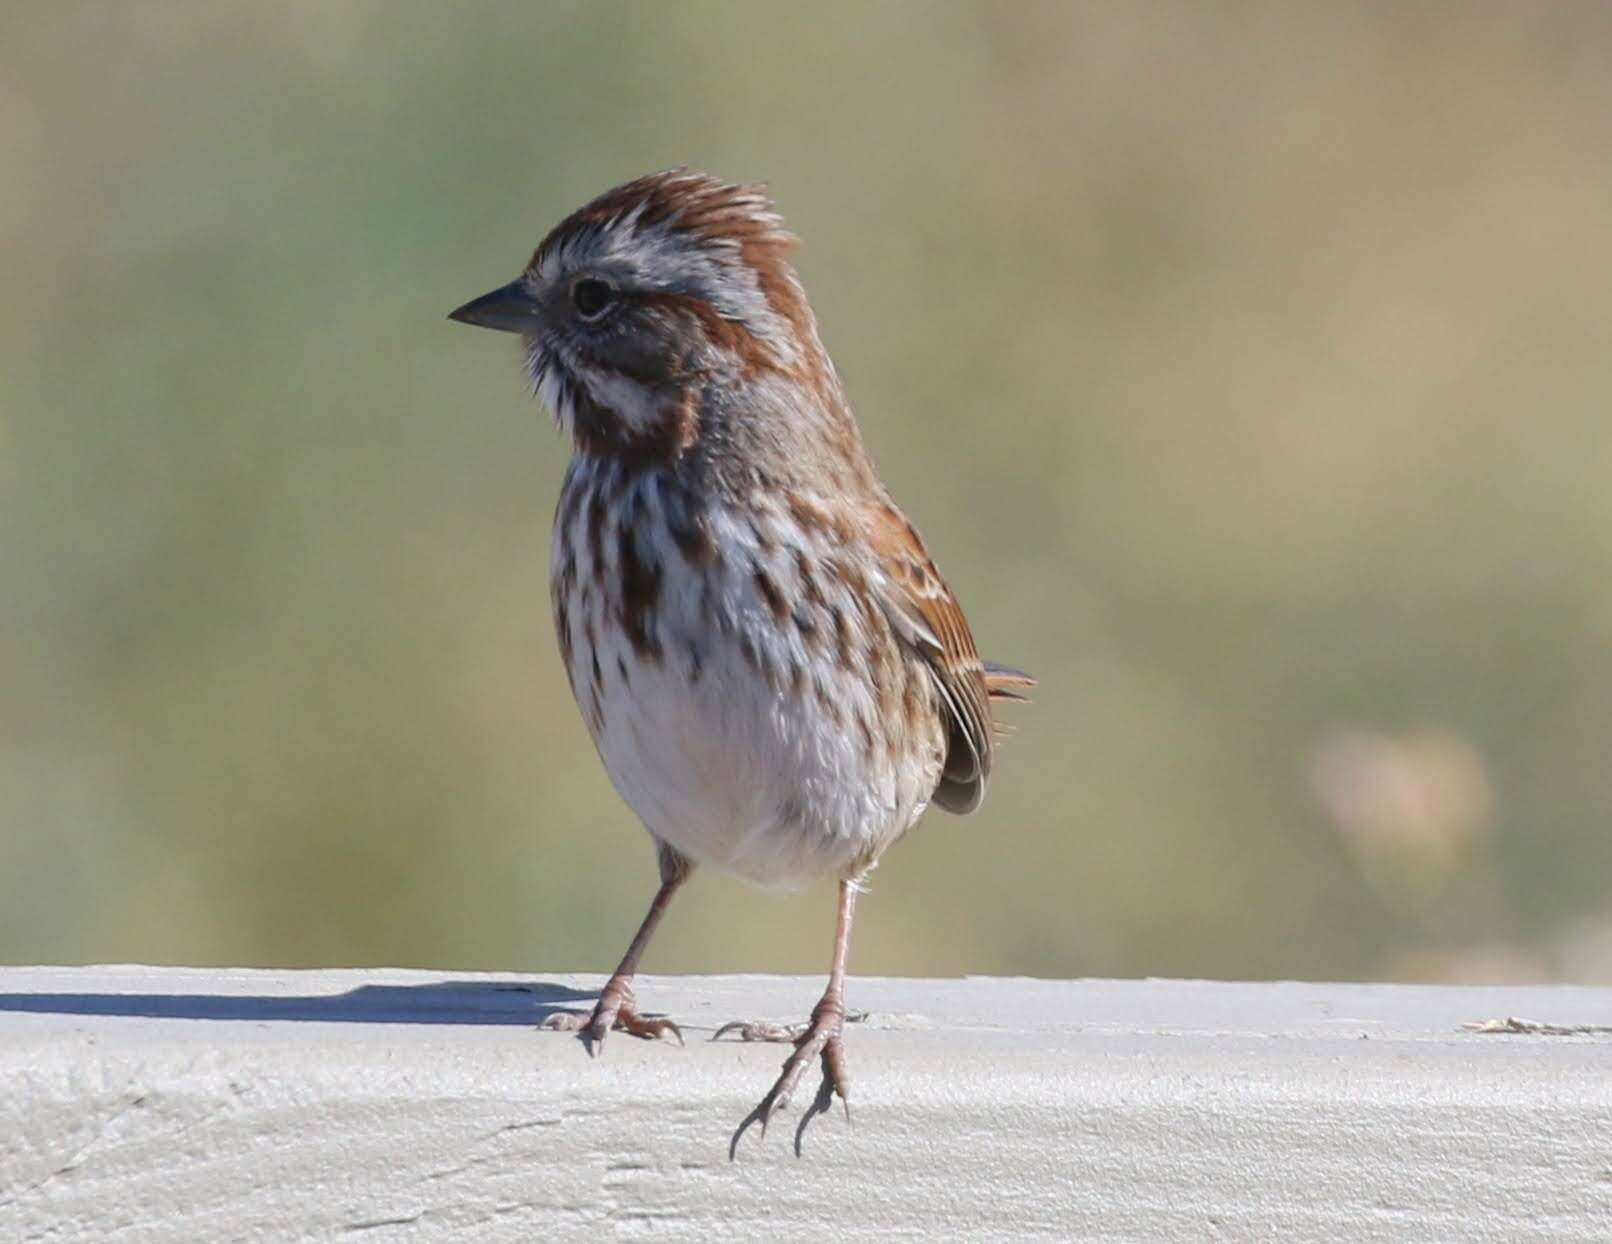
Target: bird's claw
{"points": [[819, 1039], [614, 1013]]}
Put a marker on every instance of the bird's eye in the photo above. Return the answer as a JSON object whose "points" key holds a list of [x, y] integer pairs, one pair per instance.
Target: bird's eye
{"points": [[592, 297]]}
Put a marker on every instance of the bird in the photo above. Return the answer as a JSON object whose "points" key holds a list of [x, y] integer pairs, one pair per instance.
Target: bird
{"points": [[775, 675]]}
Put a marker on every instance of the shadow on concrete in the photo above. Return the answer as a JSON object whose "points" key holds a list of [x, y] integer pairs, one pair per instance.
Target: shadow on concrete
{"points": [[442, 1002]]}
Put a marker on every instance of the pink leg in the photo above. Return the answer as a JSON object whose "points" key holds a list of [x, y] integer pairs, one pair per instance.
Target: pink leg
{"points": [[616, 1009], [821, 1040]]}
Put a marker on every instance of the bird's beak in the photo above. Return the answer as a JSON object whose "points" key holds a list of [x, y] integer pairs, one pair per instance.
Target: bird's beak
{"points": [[510, 309]]}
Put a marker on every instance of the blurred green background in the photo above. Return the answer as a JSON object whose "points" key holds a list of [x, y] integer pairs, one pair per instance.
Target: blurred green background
{"points": [[1246, 366]]}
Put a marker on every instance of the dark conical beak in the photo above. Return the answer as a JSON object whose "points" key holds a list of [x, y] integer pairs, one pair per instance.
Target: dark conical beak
{"points": [[510, 309]]}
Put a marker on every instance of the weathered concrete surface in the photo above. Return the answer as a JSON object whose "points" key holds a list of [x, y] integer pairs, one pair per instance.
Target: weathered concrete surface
{"points": [[167, 1104]]}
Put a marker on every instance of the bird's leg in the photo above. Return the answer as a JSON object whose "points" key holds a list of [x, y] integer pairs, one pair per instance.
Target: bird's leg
{"points": [[616, 1008], [821, 1039]]}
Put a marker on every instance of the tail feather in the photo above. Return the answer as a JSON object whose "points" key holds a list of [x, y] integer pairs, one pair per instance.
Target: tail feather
{"points": [[1003, 682]]}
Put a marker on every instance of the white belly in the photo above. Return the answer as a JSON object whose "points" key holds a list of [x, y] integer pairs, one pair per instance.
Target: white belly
{"points": [[739, 738]]}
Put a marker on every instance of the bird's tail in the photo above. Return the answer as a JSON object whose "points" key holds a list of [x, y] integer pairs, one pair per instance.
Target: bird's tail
{"points": [[1003, 682]]}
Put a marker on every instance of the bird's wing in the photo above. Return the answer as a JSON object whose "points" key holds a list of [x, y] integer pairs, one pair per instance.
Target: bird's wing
{"points": [[927, 617]]}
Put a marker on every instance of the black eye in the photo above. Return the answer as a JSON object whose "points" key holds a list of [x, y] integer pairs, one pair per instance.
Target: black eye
{"points": [[592, 297]]}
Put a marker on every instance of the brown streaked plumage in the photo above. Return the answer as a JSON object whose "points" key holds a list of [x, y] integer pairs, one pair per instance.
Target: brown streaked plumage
{"points": [[776, 676]]}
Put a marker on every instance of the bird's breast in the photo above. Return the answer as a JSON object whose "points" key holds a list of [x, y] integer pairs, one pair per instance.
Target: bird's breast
{"points": [[740, 680]]}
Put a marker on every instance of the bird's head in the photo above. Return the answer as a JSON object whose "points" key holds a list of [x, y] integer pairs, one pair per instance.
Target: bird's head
{"points": [[636, 306]]}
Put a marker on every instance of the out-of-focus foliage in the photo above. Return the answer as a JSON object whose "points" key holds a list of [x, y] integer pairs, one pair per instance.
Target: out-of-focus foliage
{"points": [[1247, 367]]}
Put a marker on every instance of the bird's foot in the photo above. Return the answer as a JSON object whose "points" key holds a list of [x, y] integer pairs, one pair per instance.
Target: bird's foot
{"points": [[614, 1012], [820, 1039]]}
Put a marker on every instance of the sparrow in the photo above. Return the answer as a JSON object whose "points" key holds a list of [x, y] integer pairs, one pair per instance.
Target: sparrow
{"points": [[776, 676]]}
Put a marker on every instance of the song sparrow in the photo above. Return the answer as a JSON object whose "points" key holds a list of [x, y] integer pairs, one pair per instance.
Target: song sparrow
{"points": [[775, 675]]}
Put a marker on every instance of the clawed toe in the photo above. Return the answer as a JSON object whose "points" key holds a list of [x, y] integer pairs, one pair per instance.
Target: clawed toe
{"points": [[764, 1030], [649, 1028], [824, 1101], [761, 1030]]}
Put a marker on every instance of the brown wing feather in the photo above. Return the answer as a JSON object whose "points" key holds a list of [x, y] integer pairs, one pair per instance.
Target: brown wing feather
{"points": [[927, 616]]}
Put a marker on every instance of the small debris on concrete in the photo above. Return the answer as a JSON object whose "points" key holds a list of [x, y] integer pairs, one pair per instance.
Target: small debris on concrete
{"points": [[1533, 1027]]}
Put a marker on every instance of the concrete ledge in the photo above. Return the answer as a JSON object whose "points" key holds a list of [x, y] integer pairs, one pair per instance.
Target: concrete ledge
{"points": [[172, 1104]]}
